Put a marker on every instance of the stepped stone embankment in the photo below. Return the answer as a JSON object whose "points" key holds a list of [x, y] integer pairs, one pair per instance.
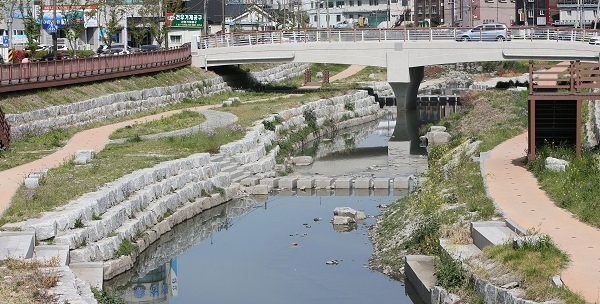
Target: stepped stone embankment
{"points": [[148, 203]]}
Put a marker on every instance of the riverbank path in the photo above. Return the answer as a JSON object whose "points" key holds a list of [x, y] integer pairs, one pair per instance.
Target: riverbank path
{"points": [[516, 192]]}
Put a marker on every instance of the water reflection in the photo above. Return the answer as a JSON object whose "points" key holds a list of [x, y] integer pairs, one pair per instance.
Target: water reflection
{"points": [[268, 255]]}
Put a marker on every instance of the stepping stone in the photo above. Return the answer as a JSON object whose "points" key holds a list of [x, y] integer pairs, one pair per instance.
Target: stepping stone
{"points": [[491, 233]]}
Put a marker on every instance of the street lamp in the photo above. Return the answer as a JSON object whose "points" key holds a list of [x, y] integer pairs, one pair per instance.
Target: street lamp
{"points": [[223, 21]]}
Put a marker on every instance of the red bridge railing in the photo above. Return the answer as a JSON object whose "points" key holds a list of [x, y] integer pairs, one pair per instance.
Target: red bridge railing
{"points": [[42, 74]]}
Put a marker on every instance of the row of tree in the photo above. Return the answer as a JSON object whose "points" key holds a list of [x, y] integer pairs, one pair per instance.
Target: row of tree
{"points": [[110, 14]]}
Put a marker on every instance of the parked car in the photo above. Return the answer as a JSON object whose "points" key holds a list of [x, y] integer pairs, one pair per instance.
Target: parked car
{"points": [[595, 40], [149, 48], [124, 49], [59, 56], [486, 32]]}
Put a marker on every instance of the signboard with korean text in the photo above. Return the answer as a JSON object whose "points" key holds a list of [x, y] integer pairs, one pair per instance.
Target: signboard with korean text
{"points": [[185, 20]]}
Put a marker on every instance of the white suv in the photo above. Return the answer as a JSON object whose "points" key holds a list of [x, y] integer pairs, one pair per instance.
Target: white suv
{"points": [[485, 32]]}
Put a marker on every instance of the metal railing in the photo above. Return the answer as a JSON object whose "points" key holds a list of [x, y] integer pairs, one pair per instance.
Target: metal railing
{"points": [[40, 74], [386, 34]]}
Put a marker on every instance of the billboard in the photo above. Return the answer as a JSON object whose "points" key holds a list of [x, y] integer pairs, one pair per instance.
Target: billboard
{"points": [[69, 14], [185, 20]]}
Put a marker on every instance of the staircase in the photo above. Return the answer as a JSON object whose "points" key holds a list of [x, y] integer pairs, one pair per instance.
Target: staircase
{"points": [[420, 269]]}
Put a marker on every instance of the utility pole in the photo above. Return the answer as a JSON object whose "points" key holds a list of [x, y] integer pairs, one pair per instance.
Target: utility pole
{"points": [[319, 14], [55, 34], [204, 19], [525, 12], [223, 20], [9, 21], [327, 12]]}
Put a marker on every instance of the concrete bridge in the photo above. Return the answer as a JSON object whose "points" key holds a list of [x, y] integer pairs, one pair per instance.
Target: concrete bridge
{"points": [[403, 52]]}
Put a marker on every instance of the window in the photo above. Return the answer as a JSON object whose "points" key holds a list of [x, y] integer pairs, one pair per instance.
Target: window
{"points": [[569, 13], [434, 10], [312, 4], [530, 14], [351, 3], [176, 39], [351, 16], [542, 12], [338, 18], [373, 2], [420, 10], [18, 32], [315, 18], [394, 1], [339, 3], [489, 1], [358, 3], [502, 1]]}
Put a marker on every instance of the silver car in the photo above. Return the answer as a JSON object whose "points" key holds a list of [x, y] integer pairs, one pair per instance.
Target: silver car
{"points": [[485, 32]]}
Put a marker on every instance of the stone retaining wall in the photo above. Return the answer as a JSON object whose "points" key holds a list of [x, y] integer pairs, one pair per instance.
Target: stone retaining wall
{"points": [[279, 73], [128, 103]]}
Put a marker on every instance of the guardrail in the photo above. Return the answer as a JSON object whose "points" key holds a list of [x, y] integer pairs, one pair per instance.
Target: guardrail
{"points": [[41, 74], [384, 34]]}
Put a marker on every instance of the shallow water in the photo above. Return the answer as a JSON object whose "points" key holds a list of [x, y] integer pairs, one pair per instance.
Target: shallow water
{"points": [[270, 249]]}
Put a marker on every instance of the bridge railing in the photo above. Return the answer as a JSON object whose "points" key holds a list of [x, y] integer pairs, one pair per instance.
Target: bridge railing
{"points": [[38, 74], [383, 34]]}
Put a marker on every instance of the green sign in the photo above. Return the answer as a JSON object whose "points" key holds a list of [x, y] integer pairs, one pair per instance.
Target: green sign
{"points": [[187, 20]]}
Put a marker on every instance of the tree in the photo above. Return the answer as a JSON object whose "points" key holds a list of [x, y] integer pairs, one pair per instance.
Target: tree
{"points": [[110, 15], [31, 23], [154, 12], [74, 20], [138, 31]]}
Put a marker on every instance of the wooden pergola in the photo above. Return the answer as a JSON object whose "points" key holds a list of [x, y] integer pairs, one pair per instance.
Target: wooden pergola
{"points": [[556, 88]]}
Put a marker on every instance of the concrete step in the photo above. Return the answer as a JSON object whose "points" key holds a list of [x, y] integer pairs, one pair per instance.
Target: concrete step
{"points": [[491, 233], [52, 253], [419, 271], [459, 251], [16, 244], [91, 272]]}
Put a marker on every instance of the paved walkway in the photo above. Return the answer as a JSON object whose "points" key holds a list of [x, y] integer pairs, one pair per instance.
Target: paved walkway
{"points": [[515, 190], [93, 139]]}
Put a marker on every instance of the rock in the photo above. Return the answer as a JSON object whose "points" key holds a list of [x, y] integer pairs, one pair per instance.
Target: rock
{"points": [[343, 220], [302, 160], [556, 165]]}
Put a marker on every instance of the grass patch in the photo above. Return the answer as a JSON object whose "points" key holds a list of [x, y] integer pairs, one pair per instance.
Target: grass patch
{"points": [[33, 145], [183, 120], [536, 264], [110, 164], [126, 248], [576, 189], [27, 281], [19, 102], [333, 69]]}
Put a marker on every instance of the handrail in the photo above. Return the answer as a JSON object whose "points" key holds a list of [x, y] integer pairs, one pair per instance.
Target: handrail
{"points": [[41, 74], [385, 34]]}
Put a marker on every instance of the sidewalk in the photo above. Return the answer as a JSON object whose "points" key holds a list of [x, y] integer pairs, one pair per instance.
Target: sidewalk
{"points": [[516, 192]]}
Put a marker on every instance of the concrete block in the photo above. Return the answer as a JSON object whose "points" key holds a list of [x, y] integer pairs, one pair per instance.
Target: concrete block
{"points": [[16, 244], [491, 233], [249, 181], [91, 272], [80, 160], [305, 183], [288, 183], [272, 182], [381, 183], [401, 182], [87, 154], [32, 182], [343, 183], [323, 183], [363, 183], [259, 190], [419, 271], [47, 253]]}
